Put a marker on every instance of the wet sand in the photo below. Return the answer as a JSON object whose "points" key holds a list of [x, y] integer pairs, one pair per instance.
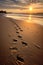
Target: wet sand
{"points": [[21, 43]]}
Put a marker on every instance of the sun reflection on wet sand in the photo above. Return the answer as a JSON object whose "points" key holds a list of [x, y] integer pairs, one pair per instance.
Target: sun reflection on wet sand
{"points": [[30, 17]]}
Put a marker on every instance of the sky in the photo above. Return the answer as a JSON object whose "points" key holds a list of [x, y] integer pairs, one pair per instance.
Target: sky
{"points": [[21, 6]]}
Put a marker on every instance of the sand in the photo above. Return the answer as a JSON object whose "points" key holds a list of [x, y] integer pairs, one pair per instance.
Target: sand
{"points": [[21, 43]]}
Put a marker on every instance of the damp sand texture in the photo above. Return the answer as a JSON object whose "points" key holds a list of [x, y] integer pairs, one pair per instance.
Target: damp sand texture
{"points": [[20, 38]]}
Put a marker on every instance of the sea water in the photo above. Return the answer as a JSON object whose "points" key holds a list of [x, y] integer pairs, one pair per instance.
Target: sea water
{"points": [[27, 17]]}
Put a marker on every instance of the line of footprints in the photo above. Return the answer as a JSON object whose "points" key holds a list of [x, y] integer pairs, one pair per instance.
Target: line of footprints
{"points": [[19, 59]]}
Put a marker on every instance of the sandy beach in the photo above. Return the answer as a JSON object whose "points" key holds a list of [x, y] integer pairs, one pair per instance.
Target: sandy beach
{"points": [[21, 43]]}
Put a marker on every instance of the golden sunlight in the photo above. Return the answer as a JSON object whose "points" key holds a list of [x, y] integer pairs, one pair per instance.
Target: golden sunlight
{"points": [[30, 8], [29, 18]]}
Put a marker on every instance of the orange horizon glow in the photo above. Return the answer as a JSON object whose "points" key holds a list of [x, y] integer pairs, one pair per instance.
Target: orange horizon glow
{"points": [[29, 10]]}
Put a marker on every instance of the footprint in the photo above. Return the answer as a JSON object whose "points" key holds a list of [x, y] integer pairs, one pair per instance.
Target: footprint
{"points": [[21, 30], [19, 36], [20, 58], [16, 28], [24, 43], [13, 48], [15, 40], [17, 32]]}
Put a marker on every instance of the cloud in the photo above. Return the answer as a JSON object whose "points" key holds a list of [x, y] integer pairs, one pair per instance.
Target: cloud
{"points": [[12, 4], [19, 4], [37, 5]]}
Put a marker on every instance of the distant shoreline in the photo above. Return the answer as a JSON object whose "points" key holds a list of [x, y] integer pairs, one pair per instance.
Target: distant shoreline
{"points": [[34, 22], [25, 13]]}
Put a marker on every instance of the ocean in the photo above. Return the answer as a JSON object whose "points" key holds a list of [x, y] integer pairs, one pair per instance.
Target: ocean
{"points": [[38, 19]]}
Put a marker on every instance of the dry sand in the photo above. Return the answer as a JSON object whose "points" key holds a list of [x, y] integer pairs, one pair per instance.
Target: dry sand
{"points": [[21, 43]]}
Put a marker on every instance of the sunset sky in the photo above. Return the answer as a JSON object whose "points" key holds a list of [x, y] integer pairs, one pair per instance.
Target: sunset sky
{"points": [[22, 6]]}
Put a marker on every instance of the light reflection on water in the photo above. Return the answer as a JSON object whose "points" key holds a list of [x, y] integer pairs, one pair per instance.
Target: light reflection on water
{"points": [[35, 19], [28, 18]]}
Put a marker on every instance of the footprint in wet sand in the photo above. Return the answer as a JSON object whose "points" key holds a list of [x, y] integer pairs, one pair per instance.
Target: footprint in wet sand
{"points": [[17, 25], [19, 36], [19, 58], [13, 48], [21, 30], [16, 28], [17, 32], [24, 43], [14, 40]]}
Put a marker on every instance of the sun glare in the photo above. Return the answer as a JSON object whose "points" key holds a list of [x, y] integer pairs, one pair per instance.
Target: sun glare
{"points": [[30, 8]]}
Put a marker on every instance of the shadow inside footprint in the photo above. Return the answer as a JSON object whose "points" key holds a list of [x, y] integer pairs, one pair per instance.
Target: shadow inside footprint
{"points": [[21, 30], [17, 26], [19, 36], [15, 40], [17, 32], [20, 58], [24, 43]]}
